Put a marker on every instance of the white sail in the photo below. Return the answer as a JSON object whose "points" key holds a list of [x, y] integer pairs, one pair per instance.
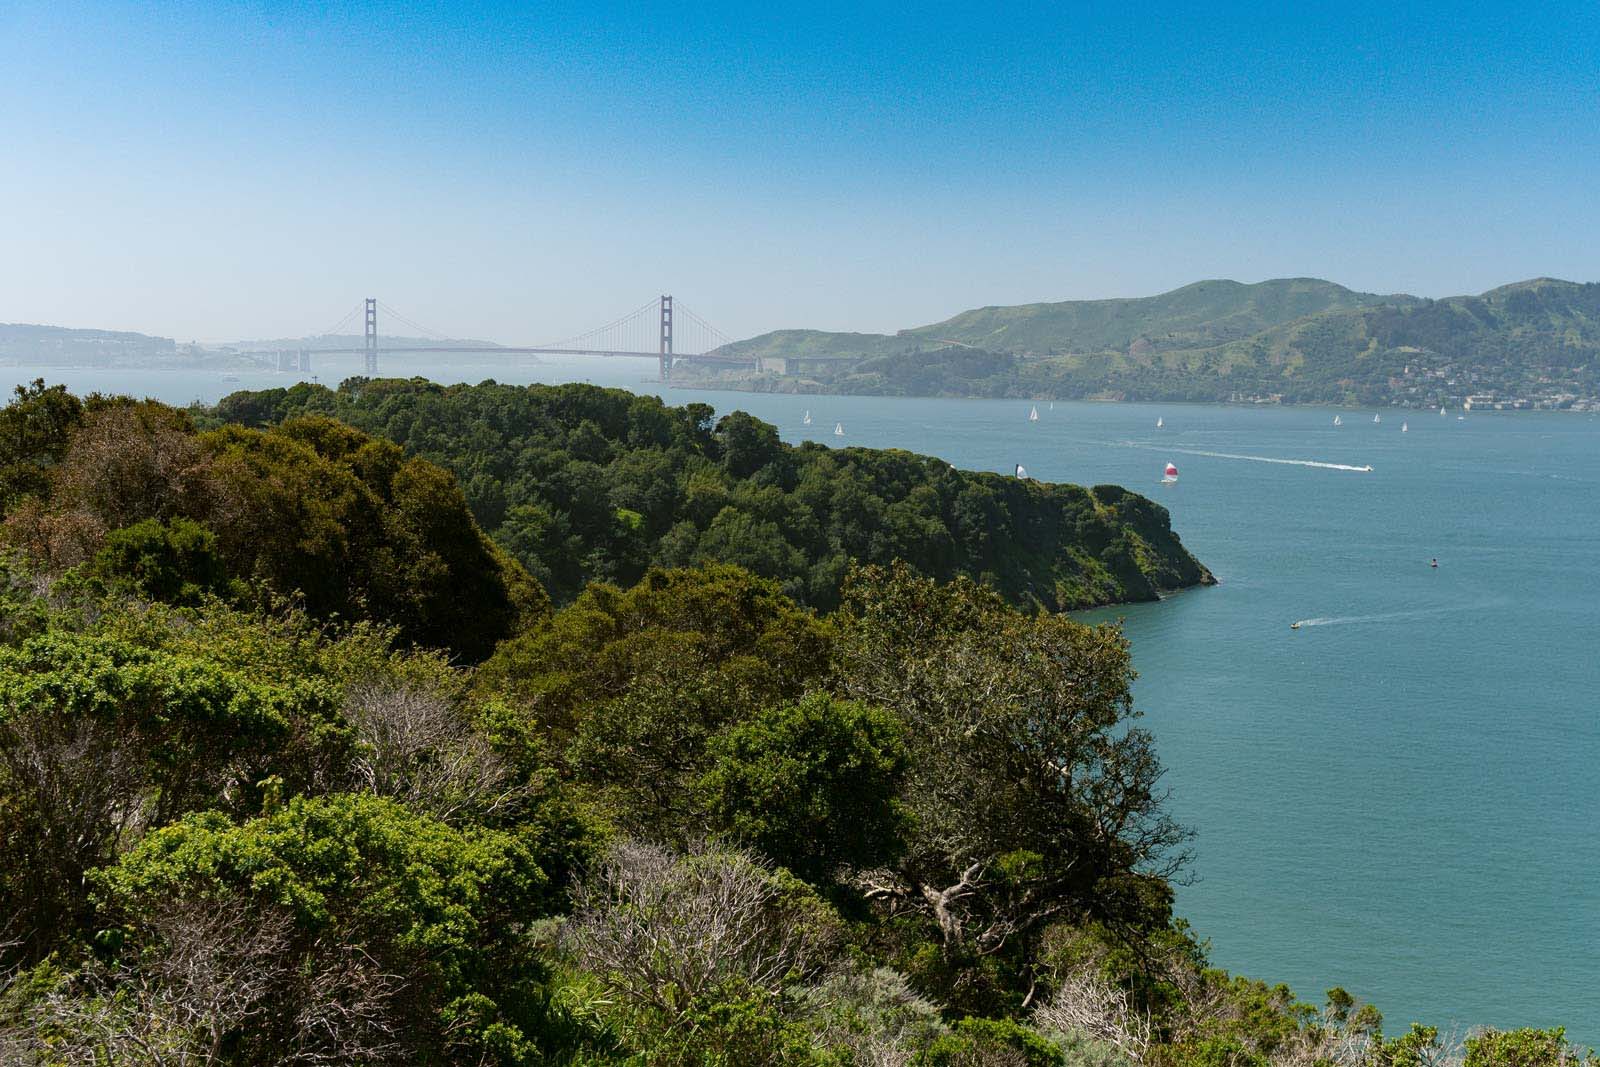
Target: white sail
{"points": [[1160, 422], [807, 419], [1022, 472], [1033, 414], [838, 429], [1441, 410], [1377, 418], [1337, 421], [1404, 428]]}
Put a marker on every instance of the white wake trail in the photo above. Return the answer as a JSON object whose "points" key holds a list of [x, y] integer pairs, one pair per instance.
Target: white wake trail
{"points": [[1387, 616], [1270, 459]]}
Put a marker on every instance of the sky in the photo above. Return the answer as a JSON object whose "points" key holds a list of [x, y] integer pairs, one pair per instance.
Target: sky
{"points": [[523, 172]]}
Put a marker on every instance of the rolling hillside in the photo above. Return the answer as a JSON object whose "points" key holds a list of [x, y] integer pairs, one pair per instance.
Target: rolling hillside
{"points": [[1528, 344]]}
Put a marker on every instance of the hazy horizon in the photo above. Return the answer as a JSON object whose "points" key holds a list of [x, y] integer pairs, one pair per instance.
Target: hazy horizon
{"points": [[235, 171]]}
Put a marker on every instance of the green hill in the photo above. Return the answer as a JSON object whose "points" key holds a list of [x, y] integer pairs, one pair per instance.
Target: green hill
{"points": [[1528, 344], [583, 484], [1204, 313]]}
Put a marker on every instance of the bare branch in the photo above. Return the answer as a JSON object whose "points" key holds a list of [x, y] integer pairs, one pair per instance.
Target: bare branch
{"points": [[419, 748], [664, 929]]}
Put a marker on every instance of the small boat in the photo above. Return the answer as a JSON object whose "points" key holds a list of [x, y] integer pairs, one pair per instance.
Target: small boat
{"points": [[1441, 412], [807, 419], [1052, 405], [1170, 475], [1033, 414], [838, 429], [1377, 418], [1022, 472], [1160, 422], [1337, 421], [1294, 626], [1405, 428]]}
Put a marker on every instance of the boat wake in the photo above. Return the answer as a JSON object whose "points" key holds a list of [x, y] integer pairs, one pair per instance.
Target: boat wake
{"points": [[1271, 459], [1367, 469], [1386, 616]]}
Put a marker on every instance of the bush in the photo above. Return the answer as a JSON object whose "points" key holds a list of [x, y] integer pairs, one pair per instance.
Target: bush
{"points": [[813, 785], [176, 562]]}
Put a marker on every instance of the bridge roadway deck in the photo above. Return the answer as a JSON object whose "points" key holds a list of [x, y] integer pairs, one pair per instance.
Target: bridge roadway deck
{"points": [[510, 350]]}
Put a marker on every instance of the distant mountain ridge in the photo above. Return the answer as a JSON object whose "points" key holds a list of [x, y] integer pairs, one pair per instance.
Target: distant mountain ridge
{"points": [[1213, 311], [1532, 343], [23, 342]]}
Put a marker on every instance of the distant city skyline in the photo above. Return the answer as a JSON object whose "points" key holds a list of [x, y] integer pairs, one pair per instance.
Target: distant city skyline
{"points": [[223, 171]]}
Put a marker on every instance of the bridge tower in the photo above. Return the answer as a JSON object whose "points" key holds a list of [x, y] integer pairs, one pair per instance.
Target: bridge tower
{"points": [[372, 337], [666, 338]]}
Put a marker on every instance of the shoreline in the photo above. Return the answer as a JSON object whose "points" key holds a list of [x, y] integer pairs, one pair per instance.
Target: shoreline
{"points": [[1246, 404]]}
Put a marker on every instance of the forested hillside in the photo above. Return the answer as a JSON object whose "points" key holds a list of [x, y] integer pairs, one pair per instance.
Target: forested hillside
{"points": [[262, 804], [1535, 343], [581, 483], [312, 509]]}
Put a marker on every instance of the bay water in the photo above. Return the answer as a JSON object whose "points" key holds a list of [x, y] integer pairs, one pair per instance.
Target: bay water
{"points": [[1401, 795]]}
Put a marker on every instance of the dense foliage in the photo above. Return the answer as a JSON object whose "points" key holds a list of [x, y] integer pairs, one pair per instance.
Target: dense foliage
{"points": [[584, 484], [921, 832], [684, 821], [310, 508], [1294, 340]]}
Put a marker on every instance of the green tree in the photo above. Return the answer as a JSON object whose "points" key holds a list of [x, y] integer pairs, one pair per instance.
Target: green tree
{"points": [[173, 561], [1031, 795], [100, 738], [34, 430], [1524, 1048], [812, 785], [549, 468], [629, 686], [982, 1041], [425, 924]]}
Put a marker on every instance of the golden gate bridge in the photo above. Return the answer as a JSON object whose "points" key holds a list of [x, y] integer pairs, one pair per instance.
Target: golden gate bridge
{"points": [[659, 329]]}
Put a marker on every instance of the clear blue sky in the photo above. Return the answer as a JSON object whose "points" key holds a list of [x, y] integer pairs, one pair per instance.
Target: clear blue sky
{"points": [[519, 172]]}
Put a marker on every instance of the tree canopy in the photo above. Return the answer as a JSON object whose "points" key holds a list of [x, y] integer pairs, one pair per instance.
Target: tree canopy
{"points": [[582, 484], [297, 766]]}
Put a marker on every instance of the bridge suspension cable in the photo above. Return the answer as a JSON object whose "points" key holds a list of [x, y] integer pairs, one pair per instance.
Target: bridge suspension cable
{"points": [[432, 335], [693, 335], [639, 331], [657, 329], [633, 332], [340, 324]]}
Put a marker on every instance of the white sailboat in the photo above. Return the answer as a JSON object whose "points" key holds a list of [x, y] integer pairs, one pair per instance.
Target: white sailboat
{"points": [[1160, 422], [807, 419], [1441, 411], [1377, 418], [1022, 472], [1337, 421], [1052, 405], [1404, 428], [1033, 414], [838, 429]]}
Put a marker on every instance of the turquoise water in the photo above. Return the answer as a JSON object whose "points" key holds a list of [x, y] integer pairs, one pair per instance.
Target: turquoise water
{"points": [[1400, 797]]}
